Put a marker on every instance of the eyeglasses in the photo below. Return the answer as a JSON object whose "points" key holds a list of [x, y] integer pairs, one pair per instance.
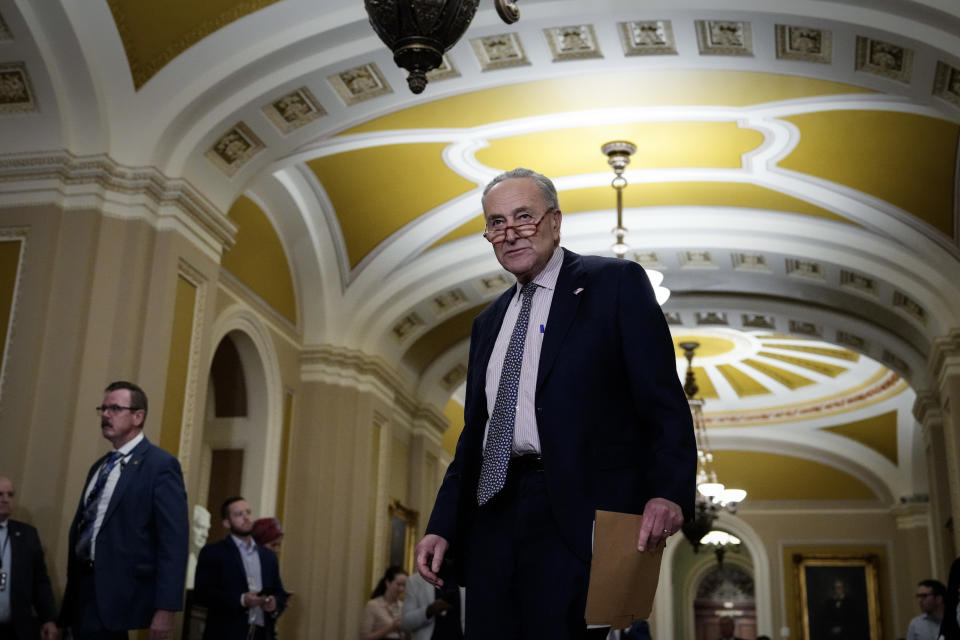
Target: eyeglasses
{"points": [[523, 226], [921, 596], [114, 409]]}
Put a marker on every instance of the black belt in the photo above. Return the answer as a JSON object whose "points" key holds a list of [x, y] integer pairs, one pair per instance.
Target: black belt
{"points": [[528, 463], [86, 566]]}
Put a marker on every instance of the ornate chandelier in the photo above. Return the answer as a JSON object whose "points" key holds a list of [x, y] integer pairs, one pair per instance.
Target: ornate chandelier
{"points": [[420, 31], [618, 154], [712, 496]]}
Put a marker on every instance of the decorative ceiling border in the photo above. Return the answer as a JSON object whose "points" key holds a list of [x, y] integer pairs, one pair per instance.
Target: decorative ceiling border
{"points": [[890, 385], [56, 177]]}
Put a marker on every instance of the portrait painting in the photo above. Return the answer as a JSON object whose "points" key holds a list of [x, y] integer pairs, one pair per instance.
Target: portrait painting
{"points": [[838, 596]]}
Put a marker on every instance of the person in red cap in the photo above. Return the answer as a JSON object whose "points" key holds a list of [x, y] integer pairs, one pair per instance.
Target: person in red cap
{"points": [[268, 533]]}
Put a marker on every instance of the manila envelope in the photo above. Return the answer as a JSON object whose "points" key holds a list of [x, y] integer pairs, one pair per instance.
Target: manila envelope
{"points": [[623, 580]]}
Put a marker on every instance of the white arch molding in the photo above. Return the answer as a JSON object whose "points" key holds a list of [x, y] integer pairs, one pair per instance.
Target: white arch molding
{"points": [[664, 604], [238, 318], [704, 565]]}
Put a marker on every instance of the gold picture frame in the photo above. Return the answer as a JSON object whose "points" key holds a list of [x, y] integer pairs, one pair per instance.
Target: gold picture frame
{"points": [[837, 590], [403, 532]]}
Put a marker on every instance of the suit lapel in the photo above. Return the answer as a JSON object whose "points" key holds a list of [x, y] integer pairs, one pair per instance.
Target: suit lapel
{"points": [[563, 309], [128, 475], [488, 337]]}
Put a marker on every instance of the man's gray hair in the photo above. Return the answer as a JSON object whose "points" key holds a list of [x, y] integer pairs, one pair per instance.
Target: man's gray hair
{"points": [[543, 183]]}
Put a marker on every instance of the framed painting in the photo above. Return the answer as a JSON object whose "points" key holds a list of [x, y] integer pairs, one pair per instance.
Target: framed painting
{"points": [[403, 531], [838, 596]]}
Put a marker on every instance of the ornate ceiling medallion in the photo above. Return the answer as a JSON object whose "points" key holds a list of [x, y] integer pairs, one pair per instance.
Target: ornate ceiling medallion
{"points": [[294, 110], [947, 83], [499, 52], [647, 37], [234, 149], [724, 38], [574, 42], [884, 59], [359, 84], [804, 43], [16, 93]]}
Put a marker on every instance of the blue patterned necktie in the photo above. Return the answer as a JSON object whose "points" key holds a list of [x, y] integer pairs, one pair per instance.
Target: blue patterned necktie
{"points": [[85, 539], [496, 454]]}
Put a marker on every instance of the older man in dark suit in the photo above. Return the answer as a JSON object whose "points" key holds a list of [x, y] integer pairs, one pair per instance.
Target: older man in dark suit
{"points": [[27, 609], [573, 404], [127, 559]]}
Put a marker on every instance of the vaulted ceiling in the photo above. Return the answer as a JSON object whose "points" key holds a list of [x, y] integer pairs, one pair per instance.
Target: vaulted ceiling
{"points": [[795, 179]]}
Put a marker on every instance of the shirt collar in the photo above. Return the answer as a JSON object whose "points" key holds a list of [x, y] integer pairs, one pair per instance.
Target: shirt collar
{"points": [[547, 278], [126, 449], [243, 546]]}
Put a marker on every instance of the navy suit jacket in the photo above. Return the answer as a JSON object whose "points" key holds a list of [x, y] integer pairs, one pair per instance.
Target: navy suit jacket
{"points": [[30, 590], [614, 424], [141, 554], [221, 580]]}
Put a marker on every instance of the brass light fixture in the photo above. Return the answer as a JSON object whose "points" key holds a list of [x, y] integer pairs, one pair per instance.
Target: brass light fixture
{"points": [[420, 31], [618, 154], [712, 496]]}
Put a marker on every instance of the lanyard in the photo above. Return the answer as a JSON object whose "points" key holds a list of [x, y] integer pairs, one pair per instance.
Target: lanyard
{"points": [[6, 541]]}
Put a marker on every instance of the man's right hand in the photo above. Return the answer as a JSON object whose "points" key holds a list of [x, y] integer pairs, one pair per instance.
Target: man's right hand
{"points": [[437, 606], [429, 554], [252, 599]]}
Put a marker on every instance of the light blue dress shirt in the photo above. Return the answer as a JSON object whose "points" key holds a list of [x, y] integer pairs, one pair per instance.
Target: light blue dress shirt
{"points": [[7, 561]]}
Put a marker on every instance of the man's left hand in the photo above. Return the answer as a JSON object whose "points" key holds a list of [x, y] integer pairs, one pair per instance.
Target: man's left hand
{"points": [[162, 625], [661, 519], [269, 604]]}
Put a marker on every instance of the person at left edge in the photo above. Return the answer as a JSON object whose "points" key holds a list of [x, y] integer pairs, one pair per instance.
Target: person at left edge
{"points": [[127, 555], [24, 583]]}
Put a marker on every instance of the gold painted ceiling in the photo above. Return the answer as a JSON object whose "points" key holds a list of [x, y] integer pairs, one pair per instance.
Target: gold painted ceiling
{"points": [[795, 183]]}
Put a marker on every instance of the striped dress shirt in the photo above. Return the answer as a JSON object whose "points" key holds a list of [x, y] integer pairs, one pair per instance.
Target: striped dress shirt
{"points": [[525, 436]]}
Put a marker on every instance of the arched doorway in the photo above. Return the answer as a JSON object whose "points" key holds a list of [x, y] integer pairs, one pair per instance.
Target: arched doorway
{"points": [[725, 591]]}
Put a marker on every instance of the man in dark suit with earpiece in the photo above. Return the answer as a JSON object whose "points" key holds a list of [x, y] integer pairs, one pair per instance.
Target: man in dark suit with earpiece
{"points": [[127, 556]]}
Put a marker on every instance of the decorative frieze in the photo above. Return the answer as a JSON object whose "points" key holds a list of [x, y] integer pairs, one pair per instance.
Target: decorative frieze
{"points": [[359, 84], [454, 377], [907, 304], [16, 91], [711, 318], [448, 300], [574, 42], [946, 83], [858, 282], [445, 71], [673, 317], [647, 38], [724, 38], [803, 328], [758, 321], [805, 269], [234, 149], [750, 262], [294, 110], [406, 326], [852, 340], [804, 43], [697, 260], [499, 52], [884, 59]]}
